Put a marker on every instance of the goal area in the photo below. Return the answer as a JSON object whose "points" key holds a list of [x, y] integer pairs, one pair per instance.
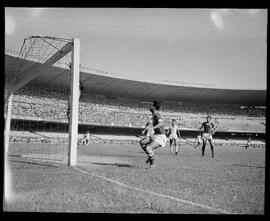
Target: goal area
{"points": [[41, 86]]}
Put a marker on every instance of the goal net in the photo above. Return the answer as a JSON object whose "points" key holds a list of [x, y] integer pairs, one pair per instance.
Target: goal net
{"points": [[42, 83]]}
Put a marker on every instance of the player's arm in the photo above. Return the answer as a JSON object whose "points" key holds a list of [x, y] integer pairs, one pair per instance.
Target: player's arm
{"points": [[178, 133], [146, 127], [214, 129], [201, 127], [159, 124], [144, 130]]}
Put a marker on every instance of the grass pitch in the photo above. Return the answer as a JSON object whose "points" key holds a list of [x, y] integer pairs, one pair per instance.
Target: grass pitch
{"points": [[115, 179]]}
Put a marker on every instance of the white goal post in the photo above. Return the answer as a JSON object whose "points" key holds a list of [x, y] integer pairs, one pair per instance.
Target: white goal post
{"points": [[74, 104], [29, 74]]}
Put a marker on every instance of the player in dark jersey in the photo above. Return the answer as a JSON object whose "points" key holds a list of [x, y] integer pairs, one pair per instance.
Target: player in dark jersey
{"points": [[208, 130], [158, 139]]}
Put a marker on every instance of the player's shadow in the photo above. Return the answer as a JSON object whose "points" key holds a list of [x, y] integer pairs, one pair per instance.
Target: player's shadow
{"points": [[115, 164], [240, 165]]}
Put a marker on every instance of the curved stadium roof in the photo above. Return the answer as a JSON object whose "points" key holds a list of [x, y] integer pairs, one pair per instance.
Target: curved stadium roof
{"points": [[101, 82]]}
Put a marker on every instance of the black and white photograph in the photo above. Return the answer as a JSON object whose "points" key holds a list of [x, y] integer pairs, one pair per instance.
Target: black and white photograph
{"points": [[132, 110]]}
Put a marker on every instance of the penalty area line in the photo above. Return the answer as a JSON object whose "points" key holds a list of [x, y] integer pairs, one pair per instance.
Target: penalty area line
{"points": [[155, 194]]}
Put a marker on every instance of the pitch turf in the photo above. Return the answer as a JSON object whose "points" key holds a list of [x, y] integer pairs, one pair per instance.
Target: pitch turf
{"points": [[114, 179]]}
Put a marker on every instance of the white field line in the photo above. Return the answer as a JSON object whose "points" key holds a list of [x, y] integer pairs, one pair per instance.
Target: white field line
{"points": [[155, 194]]}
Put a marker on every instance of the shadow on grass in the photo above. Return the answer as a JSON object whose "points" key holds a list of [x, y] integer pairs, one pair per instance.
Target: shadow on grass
{"points": [[240, 165], [115, 164], [34, 163]]}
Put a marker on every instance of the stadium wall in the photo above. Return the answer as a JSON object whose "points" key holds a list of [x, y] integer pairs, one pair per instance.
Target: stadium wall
{"points": [[62, 127]]}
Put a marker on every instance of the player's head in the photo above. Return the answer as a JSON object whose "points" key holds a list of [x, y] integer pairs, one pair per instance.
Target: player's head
{"points": [[173, 121], [208, 118], [155, 106]]}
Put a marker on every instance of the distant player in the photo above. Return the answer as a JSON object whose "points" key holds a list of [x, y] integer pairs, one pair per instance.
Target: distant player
{"points": [[208, 130], [198, 140], [158, 139], [81, 87], [86, 138], [174, 134], [248, 143]]}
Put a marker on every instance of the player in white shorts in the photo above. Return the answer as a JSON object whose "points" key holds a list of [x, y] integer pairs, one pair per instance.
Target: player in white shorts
{"points": [[86, 138], [208, 130], [174, 134], [158, 139]]}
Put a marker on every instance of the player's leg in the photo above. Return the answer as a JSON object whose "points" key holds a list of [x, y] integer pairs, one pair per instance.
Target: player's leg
{"points": [[211, 146], [144, 142], [203, 146], [150, 151], [171, 148], [197, 143], [175, 145]]}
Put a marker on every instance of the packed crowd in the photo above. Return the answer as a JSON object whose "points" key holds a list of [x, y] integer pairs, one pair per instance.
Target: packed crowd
{"points": [[52, 105]]}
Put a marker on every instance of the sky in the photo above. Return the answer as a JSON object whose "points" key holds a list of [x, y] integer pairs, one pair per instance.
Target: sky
{"points": [[225, 48]]}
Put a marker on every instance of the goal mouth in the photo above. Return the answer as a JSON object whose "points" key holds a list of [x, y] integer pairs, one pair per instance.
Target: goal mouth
{"points": [[40, 90]]}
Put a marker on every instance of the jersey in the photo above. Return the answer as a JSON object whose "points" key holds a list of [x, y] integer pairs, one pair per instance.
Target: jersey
{"points": [[156, 118], [173, 131], [207, 127]]}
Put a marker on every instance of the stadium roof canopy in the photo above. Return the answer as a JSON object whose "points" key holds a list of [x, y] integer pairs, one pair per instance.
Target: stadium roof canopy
{"points": [[101, 82]]}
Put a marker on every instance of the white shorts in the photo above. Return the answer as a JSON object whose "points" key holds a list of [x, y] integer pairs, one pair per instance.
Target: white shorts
{"points": [[207, 136], [161, 139]]}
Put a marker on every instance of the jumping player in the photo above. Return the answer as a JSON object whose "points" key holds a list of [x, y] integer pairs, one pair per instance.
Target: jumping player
{"points": [[158, 139], [174, 134], [208, 130]]}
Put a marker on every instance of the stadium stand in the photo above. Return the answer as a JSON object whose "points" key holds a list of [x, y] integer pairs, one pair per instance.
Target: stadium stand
{"points": [[37, 103]]}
